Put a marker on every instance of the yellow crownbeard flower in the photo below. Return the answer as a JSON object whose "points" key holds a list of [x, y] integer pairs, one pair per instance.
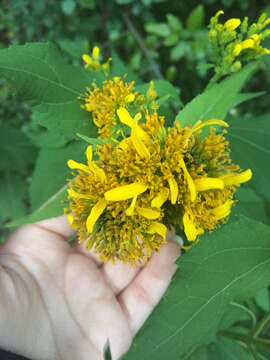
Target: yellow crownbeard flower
{"points": [[124, 202], [103, 103]]}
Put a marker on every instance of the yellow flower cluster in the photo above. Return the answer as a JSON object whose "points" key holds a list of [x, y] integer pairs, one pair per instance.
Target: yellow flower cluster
{"points": [[92, 62], [151, 179], [235, 41]]}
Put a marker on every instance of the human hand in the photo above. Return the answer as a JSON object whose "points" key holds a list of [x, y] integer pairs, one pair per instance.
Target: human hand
{"points": [[58, 302]]}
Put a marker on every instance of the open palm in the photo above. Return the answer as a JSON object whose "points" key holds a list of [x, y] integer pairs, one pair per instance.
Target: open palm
{"points": [[58, 302]]}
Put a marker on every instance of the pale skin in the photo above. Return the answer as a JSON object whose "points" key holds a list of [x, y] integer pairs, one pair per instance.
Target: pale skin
{"points": [[58, 302]]}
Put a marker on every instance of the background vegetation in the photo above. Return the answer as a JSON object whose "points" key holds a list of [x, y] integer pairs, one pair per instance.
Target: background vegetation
{"points": [[157, 39]]}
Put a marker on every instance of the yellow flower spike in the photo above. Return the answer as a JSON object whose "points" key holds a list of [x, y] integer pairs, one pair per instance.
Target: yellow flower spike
{"points": [[148, 213], [130, 209], [125, 192], [75, 165], [200, 125], [232, 24], [235, 179], [208, 183], [191, 185], [223, 211], [95, 52], [160, 199], [125, 117], [159, 228], [138, 143], [190, 229], [89, 153], [173, 190], [95, 213], [70, 219]]}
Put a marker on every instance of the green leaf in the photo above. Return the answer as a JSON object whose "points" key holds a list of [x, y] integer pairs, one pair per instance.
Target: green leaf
{"points": [[15, 148], [179, 51], [240, 98], [38, 73], [51, 208], [234, 312], [216, 101], [250, 204], [51, 171], [195, 18], [250, 148], [68, 6], [174, 23], [92, 141], [262, 299], [159, 29], [210, 275], [13, 192]]}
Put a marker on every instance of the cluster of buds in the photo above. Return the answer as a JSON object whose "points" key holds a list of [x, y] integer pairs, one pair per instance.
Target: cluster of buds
{"points": [[236, 42], [93, 63]]}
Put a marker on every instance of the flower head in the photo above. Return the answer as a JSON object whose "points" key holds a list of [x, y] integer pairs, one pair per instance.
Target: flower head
{"points": [[93, 63], [124, 202]]}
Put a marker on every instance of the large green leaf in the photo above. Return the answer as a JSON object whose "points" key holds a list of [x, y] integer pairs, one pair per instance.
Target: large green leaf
{"points": [[216, 101], [250, 145], [210, 275], [51, 171], [51, 208], [38, 73], [15, 149], [13, 192]]}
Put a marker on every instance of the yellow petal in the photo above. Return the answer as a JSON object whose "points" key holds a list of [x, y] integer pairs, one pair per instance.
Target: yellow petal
{"points": [[208, 183], [124, 143], [95, 213], [130, 209], [222, 211], [130, 98], [87, 59], [234, 179], [125, 192], [74, 194], [190, 182], [70, 219], [237, 49], [75, 165], [160, 199], [138, 143], [159, 228], [95, 52], [97, 171], [209, 122], [148, 213], [173, 190], [255, 37], [124, 117], [89, 153], [219, 13], [246, 44], [190, 229], [232, 24]]}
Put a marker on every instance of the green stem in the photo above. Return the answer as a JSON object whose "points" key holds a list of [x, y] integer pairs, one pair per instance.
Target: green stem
{"points": [[261, 325]]}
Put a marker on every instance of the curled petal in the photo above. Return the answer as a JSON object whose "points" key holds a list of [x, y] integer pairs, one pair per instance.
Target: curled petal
{"points": [[75, 165], [200, 125], [232, 24], [159, 228], [95, 52], [191, 185], [148, 213], [125, 118], [223, 210], [160, 199], [125, 192], [89, 153], [208, 183], [130, 209], [95, 213], [138, 143], [74, 194], [190, 229], [70, 219], [234, 179], [97, 171], [173, 190]]}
